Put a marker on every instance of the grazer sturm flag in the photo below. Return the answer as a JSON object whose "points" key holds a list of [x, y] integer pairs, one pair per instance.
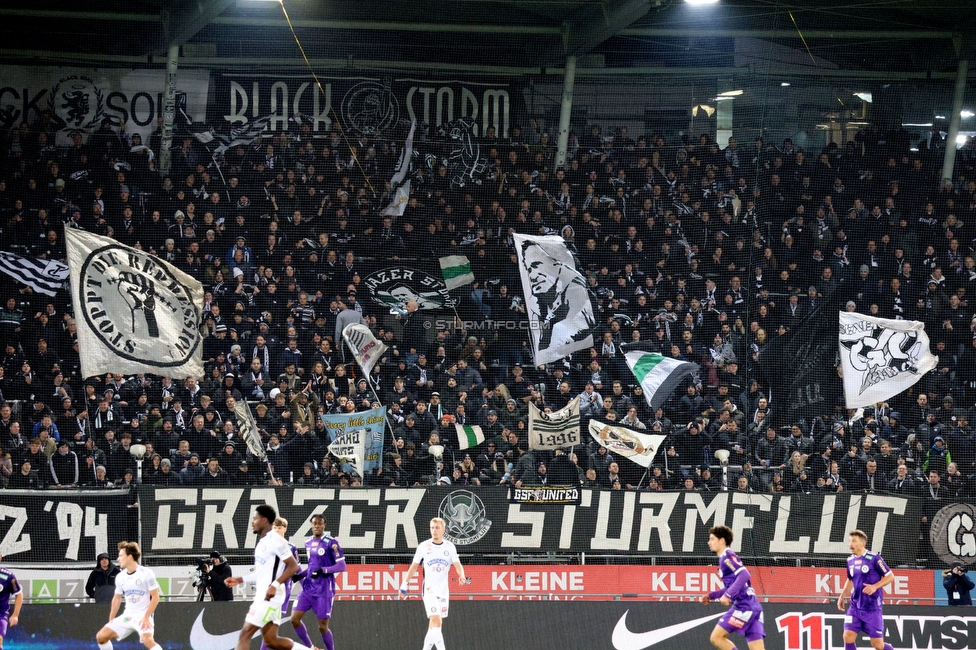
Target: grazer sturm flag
{"points": [[557, 302], [249, 429], [555, 430], [881, 357], [457, 271], [43, 276], [399, 182], [135, 312], [469, 436], [629, 443], [366, 348], [363, 430], [658, 375]]}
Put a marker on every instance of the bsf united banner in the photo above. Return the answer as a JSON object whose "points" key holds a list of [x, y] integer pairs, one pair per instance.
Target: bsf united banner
{"points": [[556, 430], [135, 313], [368, 427], [556, 298], [881, 357]]}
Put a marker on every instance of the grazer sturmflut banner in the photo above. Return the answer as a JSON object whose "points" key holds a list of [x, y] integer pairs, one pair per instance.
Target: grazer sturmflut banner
{"points": [[135, 312], [481, 520], [386, 624], [80, 98], [369, 104], [63, 525]]}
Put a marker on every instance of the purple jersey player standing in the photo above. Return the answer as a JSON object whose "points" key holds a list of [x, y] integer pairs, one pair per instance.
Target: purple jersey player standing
{"points": [[9, 587], [325, 559], [867, 576], [745, 615]]}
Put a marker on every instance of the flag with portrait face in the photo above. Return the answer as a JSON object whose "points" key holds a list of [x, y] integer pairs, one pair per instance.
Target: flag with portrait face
{"points": [[558, 310]]}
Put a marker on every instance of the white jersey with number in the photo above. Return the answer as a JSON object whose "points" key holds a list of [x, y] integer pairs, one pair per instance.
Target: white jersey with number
{"points": [[269, 561], [135, 589], [437, 560]]}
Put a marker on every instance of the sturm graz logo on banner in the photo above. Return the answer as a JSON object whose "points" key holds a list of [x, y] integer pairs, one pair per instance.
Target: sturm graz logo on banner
{"points": [[370, 108], [953, 533], [394, 288], [464, 516], [77, 104]]}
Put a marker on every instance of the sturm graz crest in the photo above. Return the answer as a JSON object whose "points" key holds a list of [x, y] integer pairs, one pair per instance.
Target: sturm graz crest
{"points": [[464, 516], [76, 103], [396, 287], [369, 108], [953, 533], [114, 279]]}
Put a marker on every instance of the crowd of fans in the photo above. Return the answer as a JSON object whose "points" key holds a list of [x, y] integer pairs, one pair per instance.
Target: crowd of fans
{"points": [[699, 252]]}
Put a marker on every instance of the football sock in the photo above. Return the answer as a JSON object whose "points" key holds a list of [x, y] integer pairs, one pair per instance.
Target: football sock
{"points": [[264, 646], [850, 646], [431, 638], [156, 647], [105, 646], [329, 642], [298, 646], [302, 632], [888, 646]]}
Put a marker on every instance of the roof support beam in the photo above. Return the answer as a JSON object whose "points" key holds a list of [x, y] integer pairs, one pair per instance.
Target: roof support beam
{"points": [[182, 19], [595, 23]]}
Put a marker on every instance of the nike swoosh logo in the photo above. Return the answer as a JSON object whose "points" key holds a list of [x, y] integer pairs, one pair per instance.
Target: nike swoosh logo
{"points": [[200, 639], [624, 639]]}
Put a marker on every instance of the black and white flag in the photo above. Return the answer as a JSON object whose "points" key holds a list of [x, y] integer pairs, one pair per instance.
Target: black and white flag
{"points": [[135, 313], [555, 430], [365, 347], [43, 276], [881, 357], [238, 136], [557, 302]]}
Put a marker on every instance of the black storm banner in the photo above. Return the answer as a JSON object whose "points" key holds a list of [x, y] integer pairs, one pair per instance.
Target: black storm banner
{"points": [[395, 520], [366, 106]]}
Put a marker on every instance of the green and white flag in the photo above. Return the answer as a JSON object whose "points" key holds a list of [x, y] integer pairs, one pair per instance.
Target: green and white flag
{"points": [[657, 375], [457, 271], [469, 436]]}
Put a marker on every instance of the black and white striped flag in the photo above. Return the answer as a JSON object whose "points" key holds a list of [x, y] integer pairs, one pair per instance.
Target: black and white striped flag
{"points": [[240, 135], [43, 276]]}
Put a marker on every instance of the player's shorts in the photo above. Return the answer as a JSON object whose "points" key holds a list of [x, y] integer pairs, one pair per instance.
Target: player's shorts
{"points": [[436, 603], [321, 605], [747, 622], [4, 623], [264, 611], [127, 623], [869, 622]]}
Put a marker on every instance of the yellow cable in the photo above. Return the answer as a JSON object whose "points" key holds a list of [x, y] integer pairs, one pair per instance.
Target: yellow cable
{"points": [[335, 118], [814, 60]]}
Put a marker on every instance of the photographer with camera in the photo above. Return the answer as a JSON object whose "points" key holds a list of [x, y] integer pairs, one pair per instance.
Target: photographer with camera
{"points": [[213, 571], [958, 585]]}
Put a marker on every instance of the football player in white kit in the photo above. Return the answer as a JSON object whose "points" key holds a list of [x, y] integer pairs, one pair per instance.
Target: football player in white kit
{"points": [[136, 585], [437, 555], [274, 565]]}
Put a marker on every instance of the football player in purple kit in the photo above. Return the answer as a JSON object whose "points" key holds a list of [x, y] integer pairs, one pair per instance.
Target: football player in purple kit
{"points": [[745, 615], [867, 575], [9, 587], [325, 559]]}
